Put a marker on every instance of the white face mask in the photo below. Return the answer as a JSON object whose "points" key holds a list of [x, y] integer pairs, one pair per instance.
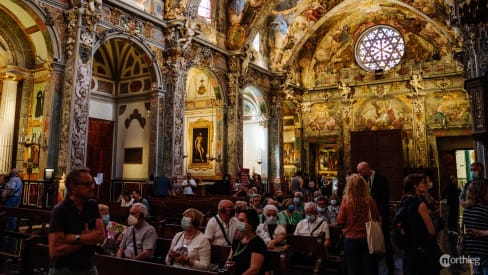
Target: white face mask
{"points": [[131, 220], [271, 219], [321, 209], [333, 202]]}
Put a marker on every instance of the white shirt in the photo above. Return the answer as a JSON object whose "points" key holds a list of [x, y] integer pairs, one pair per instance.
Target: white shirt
{"points": [[187, 186], [262, 231], [304, 228], [198, 249], [214, 233]]}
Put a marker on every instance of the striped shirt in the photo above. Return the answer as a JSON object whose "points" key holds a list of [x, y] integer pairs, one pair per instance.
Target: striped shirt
{"points": [[476, 217]]}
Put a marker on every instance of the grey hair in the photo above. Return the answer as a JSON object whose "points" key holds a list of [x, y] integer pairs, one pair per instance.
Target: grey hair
{"points": [[141, 208], [310, 205], [269, 207]]}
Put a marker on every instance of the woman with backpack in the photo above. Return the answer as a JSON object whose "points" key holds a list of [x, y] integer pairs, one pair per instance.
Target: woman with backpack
{"points": [[421, 251]]}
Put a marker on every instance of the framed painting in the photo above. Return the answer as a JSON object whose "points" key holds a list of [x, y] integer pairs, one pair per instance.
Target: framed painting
{"points": [[327, 159], [38, 100], [200, 143]]}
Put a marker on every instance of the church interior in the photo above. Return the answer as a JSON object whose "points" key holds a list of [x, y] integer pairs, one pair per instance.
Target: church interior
{"points": [[228, 89]]}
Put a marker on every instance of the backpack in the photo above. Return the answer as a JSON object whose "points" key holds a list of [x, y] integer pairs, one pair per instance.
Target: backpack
{"points": [[399, 233]]}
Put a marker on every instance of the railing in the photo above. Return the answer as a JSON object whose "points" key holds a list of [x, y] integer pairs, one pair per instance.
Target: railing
{"points": [[39, 194]]}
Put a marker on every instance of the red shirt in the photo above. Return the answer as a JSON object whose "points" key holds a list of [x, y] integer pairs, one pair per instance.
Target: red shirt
{"points": [[354, 222]]}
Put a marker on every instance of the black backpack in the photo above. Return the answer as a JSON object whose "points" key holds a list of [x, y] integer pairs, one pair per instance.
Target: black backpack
{"points": [[399, 233]]}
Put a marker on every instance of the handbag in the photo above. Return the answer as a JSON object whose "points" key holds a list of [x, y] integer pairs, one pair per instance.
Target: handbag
{"points": [[375, 238], [461, 241]]}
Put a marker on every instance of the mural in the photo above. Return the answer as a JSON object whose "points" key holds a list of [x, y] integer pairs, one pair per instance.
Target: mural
{"points": [[201, 82], [448, 109], [381, 114], [328, 158], [324, 118]]}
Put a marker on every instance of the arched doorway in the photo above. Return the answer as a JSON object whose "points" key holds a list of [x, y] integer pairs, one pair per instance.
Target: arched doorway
{"points": [[255, 132], [119, 112]]}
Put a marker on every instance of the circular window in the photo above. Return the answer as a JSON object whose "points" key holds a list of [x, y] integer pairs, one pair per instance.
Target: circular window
{"points": [[379, 48]]}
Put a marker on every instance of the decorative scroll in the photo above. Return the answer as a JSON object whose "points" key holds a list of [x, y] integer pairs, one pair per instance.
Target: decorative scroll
{"points": [[137, 116]]}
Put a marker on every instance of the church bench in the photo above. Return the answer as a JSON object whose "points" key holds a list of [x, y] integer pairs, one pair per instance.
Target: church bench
{"points": [[305, 253], [35, 258], [108, 265], [29, 220]]}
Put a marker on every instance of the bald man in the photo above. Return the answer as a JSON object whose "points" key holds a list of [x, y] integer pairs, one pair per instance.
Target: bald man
{"points": [[221, 228]]}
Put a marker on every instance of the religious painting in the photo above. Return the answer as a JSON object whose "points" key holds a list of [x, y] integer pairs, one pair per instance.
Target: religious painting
{"points": [[322, 119], [288, 153], [200, 143], [445, 110], [328, 161], [201, 83], [38, 100], [381, 113]]}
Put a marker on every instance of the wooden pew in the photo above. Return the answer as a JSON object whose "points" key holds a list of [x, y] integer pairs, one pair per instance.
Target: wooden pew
{"points": [[335, 259], [108, 265], [305, 253], [30, 218]]}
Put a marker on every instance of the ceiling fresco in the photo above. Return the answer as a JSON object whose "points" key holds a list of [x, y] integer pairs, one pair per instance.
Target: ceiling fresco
{"points": [[314, 37]]}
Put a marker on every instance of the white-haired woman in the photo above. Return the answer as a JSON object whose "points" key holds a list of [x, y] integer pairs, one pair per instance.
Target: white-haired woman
{"points": [[313, 225], [273, 234]]}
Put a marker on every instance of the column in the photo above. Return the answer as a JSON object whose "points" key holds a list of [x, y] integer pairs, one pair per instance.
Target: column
{"points": [[234, 120], [7, 120]]}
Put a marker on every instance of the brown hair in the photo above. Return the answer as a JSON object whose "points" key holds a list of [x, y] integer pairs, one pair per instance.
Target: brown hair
{"points": [[356, 193]]}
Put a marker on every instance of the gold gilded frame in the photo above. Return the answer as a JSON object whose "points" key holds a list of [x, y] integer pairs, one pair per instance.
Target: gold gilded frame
{"points": [[201, 132]]}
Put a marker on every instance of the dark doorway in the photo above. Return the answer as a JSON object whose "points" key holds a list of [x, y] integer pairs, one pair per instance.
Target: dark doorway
{"points": [[99, 154], [383, 151]]}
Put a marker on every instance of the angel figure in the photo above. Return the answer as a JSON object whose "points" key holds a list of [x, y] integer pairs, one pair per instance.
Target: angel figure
{"points": [[250, 56], [345, 90], [189, 33], [415, 83], [94, 4]]}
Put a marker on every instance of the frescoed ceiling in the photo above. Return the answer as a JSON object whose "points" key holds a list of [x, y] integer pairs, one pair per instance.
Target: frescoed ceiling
{"points": [[319, 35]]}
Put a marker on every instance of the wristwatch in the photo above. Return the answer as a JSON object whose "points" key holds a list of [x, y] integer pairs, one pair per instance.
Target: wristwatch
{"points": [[77, 238]]}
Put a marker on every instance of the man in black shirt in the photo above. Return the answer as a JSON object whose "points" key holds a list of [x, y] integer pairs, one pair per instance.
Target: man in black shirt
{"points": [[76, 227]]}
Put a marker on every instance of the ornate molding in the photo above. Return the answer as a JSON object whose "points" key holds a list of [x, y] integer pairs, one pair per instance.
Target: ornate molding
{"points": [[137, 116]]}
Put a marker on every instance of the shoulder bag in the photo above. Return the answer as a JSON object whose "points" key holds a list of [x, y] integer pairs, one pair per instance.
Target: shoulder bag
{"points": [[376, 240]]}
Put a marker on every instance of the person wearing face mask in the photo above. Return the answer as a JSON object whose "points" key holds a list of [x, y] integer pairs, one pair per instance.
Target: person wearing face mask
{"points": [[190, 248], [333, 210], [431, 203], [298, 202], [139, 238], [289, 215], [221, 228], [273, 234], [280, 200], [322, 208], [113, 232], [249, 251], [476, 174], [313, 225]]}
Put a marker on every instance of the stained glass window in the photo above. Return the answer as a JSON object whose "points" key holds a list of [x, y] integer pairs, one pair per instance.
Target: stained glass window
{"points": [[379, 48]]}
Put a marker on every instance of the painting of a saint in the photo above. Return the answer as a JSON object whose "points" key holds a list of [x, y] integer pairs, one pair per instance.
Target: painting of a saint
{"points": [[200, 145]]}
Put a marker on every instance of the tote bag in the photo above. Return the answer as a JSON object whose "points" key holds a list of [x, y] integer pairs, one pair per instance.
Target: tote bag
{"points": [[376, 241]]}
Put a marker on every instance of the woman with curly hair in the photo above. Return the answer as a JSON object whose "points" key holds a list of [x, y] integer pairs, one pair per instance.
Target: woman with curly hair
{"points": [[356, 205]]}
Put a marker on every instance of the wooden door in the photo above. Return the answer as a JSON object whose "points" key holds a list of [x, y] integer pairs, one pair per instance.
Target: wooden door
{"points": [[99, 153], [384, 152]]}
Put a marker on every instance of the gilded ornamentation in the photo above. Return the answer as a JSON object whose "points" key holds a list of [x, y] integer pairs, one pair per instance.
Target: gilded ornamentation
{"points": [[419, 132], [72, 18], [132, 27], [443, 83], [148, 26], [115, 16]]}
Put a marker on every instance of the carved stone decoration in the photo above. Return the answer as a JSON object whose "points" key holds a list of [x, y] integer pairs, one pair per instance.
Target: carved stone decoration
{"points": [[419, 132], [122, 109], [115, 16], [137, 116], [72, 18]]}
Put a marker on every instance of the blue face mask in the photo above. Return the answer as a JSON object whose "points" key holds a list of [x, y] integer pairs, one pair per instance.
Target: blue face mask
{"points": [[310, 218], [291, 208], [241, 226], [106, 219], [185, 223], [474, 175]]}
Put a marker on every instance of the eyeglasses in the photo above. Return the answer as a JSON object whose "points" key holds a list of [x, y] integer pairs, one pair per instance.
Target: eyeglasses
{"points": [[88, 183]]}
